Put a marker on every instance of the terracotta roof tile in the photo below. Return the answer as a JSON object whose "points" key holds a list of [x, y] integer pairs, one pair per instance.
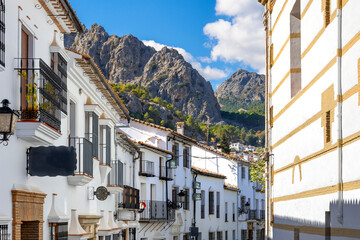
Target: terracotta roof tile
{"points": [[207, 173], [231, 187]]}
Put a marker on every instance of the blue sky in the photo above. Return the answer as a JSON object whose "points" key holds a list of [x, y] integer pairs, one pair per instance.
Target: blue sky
{"points": [[216, 36]]}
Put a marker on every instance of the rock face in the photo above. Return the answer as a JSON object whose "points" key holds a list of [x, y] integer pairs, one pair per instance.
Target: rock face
{"points": [[167, 75], [241, 90]]}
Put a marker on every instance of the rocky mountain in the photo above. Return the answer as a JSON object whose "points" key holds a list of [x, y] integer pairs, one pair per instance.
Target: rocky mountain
{"points": [[165, 73], [242, 91]]}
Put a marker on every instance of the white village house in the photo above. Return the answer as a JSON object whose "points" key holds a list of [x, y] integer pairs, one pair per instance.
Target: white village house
{"points": [[312, 111]]}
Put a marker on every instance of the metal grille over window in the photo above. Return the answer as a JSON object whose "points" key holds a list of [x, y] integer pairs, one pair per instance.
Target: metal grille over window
{"points": [[2, 33], [4, 232]]}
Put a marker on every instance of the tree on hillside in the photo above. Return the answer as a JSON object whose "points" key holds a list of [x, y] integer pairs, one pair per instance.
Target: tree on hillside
{"points": [[224, 144]]}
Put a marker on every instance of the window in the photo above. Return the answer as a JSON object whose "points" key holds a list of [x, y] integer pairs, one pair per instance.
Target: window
{"points": [[211, 236], [58, 231], [4, 232], [219, 235], [186, 236], [233, 213], [226, 235], [211, 203], [187, 200], [242, 172], [242, 203], [186, 157], [226, 211], [295, 49], [243, 234], [325, 8], [249, 174], [59, 66], [175, 192], [176, 153], [328, 126], [92, 131], [2, 33], [234, 235], [175, 238], [116, 236], [132, 233], [202, 204], [217, 205]]}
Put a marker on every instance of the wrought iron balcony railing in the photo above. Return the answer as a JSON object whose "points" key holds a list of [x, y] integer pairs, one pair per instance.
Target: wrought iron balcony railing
{"points": [[253, 215], [146, 168], [130, 198], [42, 92], [163, 175], [83, 147], [262, 214], [156, 210]]}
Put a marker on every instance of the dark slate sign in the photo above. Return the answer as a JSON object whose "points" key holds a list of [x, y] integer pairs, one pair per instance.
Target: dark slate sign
{"points": [[51, 161]]}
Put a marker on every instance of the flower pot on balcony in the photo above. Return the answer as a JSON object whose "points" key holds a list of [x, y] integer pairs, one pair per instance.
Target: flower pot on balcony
{"points": [[29, 114]]}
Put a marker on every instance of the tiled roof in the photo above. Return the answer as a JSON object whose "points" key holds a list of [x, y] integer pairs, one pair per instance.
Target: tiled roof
{"points": [[153, 147], [231, 187], [236, 158], [207, 173], [107, 90]]}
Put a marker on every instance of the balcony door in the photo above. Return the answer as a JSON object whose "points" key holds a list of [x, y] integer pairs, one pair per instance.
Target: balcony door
{"points": [[24, 65]]}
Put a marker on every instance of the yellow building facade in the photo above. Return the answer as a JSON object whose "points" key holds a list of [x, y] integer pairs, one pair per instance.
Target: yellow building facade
{"points": [[313, 118]]}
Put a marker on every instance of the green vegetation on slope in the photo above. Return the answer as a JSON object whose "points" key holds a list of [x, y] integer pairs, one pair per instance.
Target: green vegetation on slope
{"points": [[234, 105], [195, 128]]}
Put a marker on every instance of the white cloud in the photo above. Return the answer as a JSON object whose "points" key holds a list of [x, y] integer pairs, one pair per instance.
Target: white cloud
{"points": [[240, 39], [205, 59], [208, 72]]}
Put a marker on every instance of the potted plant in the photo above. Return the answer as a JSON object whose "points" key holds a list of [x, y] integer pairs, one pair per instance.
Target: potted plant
{"points": [[31, 110]]}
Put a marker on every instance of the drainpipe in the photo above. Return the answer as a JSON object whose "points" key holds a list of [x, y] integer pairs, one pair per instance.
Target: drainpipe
{"points": [[339, 116]]}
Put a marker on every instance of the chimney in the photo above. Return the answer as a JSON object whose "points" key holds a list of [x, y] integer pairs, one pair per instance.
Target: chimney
{"points": [[180, 127]]}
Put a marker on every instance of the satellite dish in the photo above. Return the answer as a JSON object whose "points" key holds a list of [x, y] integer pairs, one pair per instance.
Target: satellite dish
{"points": [[101, 193]]}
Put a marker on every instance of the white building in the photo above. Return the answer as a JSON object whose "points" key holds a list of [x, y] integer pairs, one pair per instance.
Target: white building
{"points": [[63, 152], [312, 89]]}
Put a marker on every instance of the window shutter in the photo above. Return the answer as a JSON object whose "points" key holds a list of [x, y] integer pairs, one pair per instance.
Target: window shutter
{"points": [[108, 145], [95, 133], [120, 174]]}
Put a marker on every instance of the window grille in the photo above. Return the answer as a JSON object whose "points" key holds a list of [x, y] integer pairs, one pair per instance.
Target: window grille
{"points": [[2, 33], [211, 236], [187, 200]]}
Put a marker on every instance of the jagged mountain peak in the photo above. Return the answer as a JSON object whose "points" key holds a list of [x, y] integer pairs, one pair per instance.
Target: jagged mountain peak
{"points": [[167, 75]]}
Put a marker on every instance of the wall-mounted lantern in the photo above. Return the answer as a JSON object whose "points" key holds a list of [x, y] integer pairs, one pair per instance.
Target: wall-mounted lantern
{"points": [[8, 119]]}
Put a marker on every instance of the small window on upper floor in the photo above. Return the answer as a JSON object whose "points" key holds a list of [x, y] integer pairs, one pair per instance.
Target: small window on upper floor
{"points": [[325, 8], [176, 153], [2, 33], [295, 48]]}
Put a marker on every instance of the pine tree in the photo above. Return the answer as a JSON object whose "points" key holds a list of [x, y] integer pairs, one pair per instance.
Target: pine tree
{"points": [[224, 144]]}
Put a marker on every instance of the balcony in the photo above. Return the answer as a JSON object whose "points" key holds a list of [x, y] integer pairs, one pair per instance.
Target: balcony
{"points": [[42, 95], [146, 168], [253, 215], [262, 214], [164, 176], [115, 178], [156, 211], [84, 170], [130, 198]]}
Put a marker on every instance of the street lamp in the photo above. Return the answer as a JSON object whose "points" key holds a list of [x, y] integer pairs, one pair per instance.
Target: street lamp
{"points": [[8, 119], [246, 208], [177, 205]]}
